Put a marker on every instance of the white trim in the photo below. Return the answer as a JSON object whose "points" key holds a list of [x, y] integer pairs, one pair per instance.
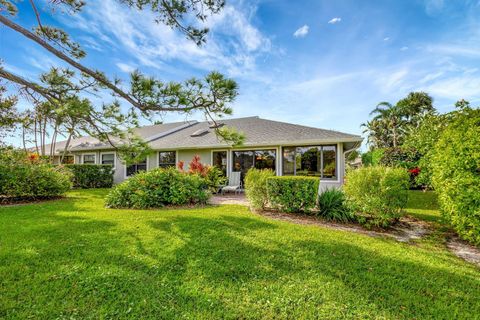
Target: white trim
{"points": [[255, 149], [114, 158], [89, 154], [125, 167]]}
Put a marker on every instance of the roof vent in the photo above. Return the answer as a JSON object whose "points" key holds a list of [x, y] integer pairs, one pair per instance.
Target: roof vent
{"points": [[199, 132], [214, 125]]}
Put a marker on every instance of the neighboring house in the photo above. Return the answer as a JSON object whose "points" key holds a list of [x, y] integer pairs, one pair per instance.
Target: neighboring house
{"points": [[288, 149]]}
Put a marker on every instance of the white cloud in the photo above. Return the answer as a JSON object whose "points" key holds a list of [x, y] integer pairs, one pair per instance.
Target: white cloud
{"points": [[125, 67], [386, 38], [405, 48], [301, 32], [335, 20], [233, 43]]}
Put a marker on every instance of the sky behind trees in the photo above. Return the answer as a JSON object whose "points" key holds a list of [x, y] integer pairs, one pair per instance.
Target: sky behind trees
{"points": [[318, 63]]}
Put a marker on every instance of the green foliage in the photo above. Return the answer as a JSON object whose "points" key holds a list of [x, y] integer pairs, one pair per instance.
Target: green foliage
{"points": [[256, 187], [372, 157], [332, 206], [378, 194], [91, 175], [456, 172], [293, 193], [22, 179], [391, 123], [9, 116], [158, 188], [214, 178]]}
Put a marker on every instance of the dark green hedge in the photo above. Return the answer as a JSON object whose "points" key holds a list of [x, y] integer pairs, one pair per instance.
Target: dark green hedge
{"points": [[91, 175], [293, 193], [25, 181]]}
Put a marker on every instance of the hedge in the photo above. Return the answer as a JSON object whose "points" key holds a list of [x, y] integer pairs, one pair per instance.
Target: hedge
{"points": [[158, 188], [377, 194], [87, 176], [33, 181], [293, 193], [456, 173]]}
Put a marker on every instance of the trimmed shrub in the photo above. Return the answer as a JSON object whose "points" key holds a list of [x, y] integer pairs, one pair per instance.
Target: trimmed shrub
{"points": [[158, 188], [256, 187], [293, 193], [332, 206], [33, 181], [456, 173], [378, 194], [91, 175]]}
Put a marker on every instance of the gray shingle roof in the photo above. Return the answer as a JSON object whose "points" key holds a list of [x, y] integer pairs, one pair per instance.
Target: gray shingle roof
{"points": [[258, 132]]}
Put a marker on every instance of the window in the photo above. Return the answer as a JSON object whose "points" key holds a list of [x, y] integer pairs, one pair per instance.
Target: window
{"points": [[108, 158], [260, 159], [88, 159], [67, 160], [220, 160], [317, 161], [167, 159], [135, 168]]}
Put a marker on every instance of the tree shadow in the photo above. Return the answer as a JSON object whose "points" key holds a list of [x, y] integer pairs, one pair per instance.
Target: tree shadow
{"points": [[63, 262]]}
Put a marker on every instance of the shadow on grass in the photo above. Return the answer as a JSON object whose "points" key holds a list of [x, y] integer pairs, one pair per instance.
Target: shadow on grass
{"points": [[217, 265]]}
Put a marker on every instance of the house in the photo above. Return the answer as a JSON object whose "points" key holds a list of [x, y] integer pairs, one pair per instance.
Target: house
{"points": [[286, 148]]}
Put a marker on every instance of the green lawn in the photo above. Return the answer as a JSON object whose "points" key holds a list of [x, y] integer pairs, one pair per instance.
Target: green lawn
{"points": [[74, 259]]}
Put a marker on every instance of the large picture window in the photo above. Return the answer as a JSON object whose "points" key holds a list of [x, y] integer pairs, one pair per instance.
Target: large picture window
{"points": [[136, 167], [167, 159], [317, 161], [260, 159]]}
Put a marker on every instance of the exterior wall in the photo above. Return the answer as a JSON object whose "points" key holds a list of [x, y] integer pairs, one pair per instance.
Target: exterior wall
{"points": [[187, 155], [206, 157]]}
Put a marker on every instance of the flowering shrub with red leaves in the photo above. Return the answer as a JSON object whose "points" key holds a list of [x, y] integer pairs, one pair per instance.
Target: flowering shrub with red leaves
{"points": [[33, 157], [213, 175], [414, 171]]}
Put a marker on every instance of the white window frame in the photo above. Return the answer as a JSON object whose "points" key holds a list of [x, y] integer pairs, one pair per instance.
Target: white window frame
{"points": [[176, 157], [125, 168], [89, 154], [114, 157]]}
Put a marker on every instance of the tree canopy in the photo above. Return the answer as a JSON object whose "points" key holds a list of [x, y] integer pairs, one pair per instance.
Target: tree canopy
{"points": [[60, 98]]}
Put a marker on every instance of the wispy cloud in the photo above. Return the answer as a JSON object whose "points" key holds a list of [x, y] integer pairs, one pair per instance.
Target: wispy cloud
{"points": [[127, 68], [301, 32], [233, 44], [335, 20], [386, 39], [404, 48]]}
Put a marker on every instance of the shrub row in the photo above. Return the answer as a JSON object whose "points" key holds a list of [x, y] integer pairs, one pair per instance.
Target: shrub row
{"points": [[91, 176], [33, 181], [158, 188], [293, 193]]}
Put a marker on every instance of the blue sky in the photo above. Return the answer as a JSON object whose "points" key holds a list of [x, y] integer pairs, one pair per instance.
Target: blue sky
{"points": [[318, 63]]}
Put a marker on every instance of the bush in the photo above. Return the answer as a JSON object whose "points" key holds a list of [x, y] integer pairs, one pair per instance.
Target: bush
{"points": [[378, 194], [33, 181], [332, 206], [213, 176], [456, 173], [256, 187], [91, 175], [158, 188], [372, 158], [293, 193]]}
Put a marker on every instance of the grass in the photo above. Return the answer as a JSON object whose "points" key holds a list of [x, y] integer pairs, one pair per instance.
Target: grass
{"points": [[423, 205], [72, 258]]}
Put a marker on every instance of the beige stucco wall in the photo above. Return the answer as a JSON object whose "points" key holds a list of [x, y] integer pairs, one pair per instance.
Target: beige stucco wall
{"points": [[187, 156]]}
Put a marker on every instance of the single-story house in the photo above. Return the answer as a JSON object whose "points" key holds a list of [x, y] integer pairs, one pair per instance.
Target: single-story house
{"points": [[286, 148]]}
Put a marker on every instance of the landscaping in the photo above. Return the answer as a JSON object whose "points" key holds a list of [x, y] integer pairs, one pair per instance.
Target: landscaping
{"points": [[74, 258]]}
